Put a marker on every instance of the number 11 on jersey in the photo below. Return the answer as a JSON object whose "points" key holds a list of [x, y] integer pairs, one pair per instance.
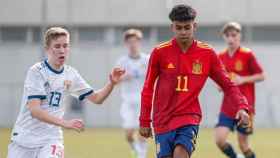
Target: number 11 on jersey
{"points": [[182, 84]]}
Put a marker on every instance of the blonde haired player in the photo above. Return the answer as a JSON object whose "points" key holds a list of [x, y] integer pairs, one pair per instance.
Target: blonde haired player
{"points": [[37, 132], [134, 63], [244, 71]]}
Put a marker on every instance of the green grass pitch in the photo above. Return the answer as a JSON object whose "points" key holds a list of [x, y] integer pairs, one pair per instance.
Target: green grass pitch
{"points": [[108, 143]]}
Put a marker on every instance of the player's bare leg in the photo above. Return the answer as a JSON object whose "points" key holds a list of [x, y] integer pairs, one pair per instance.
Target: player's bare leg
{"points": [[180, 152], [243, 142], [221, 134]]}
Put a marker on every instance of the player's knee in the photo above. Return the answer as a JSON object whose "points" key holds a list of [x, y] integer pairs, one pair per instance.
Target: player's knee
{"points": [[180, 152], [220, 142], [220, 138]]}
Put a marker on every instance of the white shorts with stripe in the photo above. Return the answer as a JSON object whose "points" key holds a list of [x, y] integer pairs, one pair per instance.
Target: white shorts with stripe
{"points": [[130, 115], [50, 150]]}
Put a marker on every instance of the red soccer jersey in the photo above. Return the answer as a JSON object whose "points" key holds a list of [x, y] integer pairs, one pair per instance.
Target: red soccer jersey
{"points": [[242, 63], [180, 77]]}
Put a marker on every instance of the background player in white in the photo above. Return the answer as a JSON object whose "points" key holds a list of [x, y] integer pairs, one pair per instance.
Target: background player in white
{"points": [[37, 132], [134, 63]]}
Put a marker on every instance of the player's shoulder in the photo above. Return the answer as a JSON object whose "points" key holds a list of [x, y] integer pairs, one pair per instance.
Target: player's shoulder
{"points": [[164, 45], [222, 53], [245, 50], [38, 67], [204, 45], [204, 48], [144, 55], [70, 69]]}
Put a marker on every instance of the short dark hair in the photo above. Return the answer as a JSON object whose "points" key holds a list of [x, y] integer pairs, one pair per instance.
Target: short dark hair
{"points": [[182, 13]]}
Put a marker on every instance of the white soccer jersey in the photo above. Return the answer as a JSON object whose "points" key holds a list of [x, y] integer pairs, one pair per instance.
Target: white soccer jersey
{"points": [[131, 89], [51, 87]]}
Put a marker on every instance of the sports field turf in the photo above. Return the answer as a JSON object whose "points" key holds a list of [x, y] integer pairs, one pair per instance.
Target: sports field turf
{"points": [[109, 143]]}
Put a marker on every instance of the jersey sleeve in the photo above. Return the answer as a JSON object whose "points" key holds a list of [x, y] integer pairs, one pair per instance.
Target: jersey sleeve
{"points": [[148, 89], [80, 87], [254, 65], [35, 85], [219, 75]]}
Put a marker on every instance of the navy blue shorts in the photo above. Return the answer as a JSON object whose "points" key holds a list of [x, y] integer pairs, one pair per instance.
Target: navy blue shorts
{"points": [[185, 136], [225, 121]]}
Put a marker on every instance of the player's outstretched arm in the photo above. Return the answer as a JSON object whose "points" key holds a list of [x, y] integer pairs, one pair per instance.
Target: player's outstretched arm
{"points": [[42, 115], [219, 75], [100, 95]]}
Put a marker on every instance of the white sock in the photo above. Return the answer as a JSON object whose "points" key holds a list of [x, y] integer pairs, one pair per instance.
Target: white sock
{"points": [[133, 145], [141, 148]]}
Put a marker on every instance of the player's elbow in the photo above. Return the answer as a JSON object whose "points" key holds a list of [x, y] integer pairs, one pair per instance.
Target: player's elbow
{"points": [[263, 77], [99, 102], [96, 99]]}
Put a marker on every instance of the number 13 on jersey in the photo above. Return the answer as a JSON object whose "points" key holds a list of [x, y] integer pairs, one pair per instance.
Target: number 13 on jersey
{"points": [[55, 98]]}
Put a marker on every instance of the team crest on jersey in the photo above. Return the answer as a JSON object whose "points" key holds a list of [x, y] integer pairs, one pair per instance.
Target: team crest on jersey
{"points": [[238, 65], [67, 84], [197, 67]]}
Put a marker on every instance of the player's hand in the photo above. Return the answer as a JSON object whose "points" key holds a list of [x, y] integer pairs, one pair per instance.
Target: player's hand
{"points": [[116, 74], [238, 80], [243, 118], [145, 132], [75, 124]]}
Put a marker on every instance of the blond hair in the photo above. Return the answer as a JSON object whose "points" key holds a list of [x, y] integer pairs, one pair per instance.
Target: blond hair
{"points": [[53, 33], [231, 26], [133, 33]]}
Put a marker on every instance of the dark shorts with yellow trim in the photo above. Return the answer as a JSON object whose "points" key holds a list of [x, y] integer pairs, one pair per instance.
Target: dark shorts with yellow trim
{"points": [[185, 136], [225, 121]]}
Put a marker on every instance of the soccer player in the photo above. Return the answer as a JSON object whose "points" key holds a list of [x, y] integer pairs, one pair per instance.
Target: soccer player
{"points": [[180, 67], [244, 71], [37, 132], [134, 63]]}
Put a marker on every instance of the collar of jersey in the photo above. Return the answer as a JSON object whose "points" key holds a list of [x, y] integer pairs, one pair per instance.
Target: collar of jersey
{"points": [[53, 70]]}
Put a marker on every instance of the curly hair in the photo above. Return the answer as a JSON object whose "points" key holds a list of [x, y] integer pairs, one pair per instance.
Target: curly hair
{"points": [[182, 13]]}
